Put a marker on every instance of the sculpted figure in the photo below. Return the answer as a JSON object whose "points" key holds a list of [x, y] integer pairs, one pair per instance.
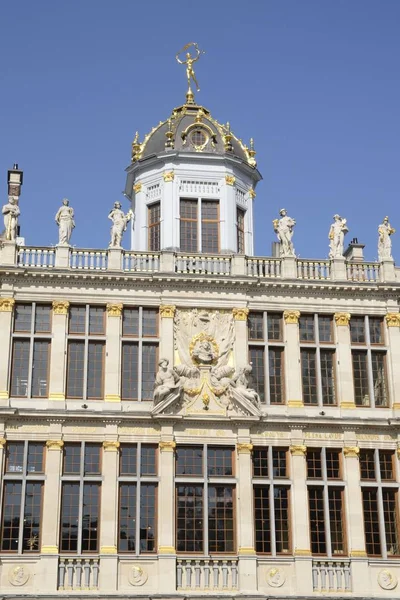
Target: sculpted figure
{"points": [[220, 377], [283, 228], [119, 220], [336, 235], [385, 230], [65, 221], [11, 213], [167, 382], [204, 352], [189, 63], [242, 381]]}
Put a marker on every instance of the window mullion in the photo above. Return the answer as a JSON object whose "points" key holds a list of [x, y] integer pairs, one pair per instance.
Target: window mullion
{"points": [[267, 394], [140, 353], [318, 361], [31, 345], [80, 512], [137, 514], [86, 354], [22, 506], [326, 505], [369, 364], [271, 501], [381, 514], [205, 502]]}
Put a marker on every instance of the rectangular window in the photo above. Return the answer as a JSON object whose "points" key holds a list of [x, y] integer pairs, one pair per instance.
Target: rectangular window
{"points": [[327, 360], [23, 483], [325, 328], [309, 376], [189, 518], [357, 330], [154, 226], [210, 226], [275, 363], [266, 356], [306, 328], [375, 330], [360, 377], [188, 226], [240, 215], [221, 519], [379, 378]]}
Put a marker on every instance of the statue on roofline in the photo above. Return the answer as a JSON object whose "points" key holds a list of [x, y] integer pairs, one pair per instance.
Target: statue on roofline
{"points": [[284, 229], [385, 230], [120, 221], [65, 221], [336, 236], [11, 213]]}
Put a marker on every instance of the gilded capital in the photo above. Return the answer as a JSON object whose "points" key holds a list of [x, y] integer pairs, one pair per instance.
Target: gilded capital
{"points": [[3, 442], [168, 176], [244, 448], [167, 311], [60, 307], [6, 304], [300, 450], [167, 446], [252, 193], [342, 319], [114, 310], [393, 319], [111, 446], [240, 314], [54, 444], [137, 187], [291, 316], [230, 179], [351, 452]]}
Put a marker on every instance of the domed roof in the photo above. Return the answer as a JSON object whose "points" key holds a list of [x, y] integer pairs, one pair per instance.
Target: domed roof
{"points": [[191, 128]]}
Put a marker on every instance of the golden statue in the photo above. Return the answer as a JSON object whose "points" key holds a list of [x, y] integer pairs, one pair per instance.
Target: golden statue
{"points": [[189, 64]]}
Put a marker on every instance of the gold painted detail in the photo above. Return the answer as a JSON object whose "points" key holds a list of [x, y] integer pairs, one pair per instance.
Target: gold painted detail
{"points": [[4, 395], [206, 401], [166, 550], [393, 319], [358, 554], [167, 447], [244, 448], [168, 176], [108, 550], [291, 316], [252, 193], [49, 550], [396, 405], [347, 405], [246, 551], [6, 304], [351, 451], [209, 345], [137, 187], [54, 444], [3, 442], [111, 446], [302, 552], [167, 311], [57, 397], [295, 404], [300, 450], [240, 314], [112, 398], [398, 451], [342, 319], [60, 307], [114, 310], [230, 179]]}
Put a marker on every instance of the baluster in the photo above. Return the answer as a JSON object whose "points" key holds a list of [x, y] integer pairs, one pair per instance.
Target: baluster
{"points": [[179, 574], [347, 577], [86, 569], [61, 574], [322, 572], [315, 577], [224, 573], [234, 575], [70, 572], [330, 576], [78, 575], [188, 569], [206, 574], [197, 573], [95, 571], [216, 574], [339, 576]]}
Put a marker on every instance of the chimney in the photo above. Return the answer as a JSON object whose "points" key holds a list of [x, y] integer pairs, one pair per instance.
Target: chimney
{"points": [[276, 250], [354, 251]]}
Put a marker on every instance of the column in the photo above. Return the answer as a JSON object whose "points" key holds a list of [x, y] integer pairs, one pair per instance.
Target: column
{"points": [[241, 348], [112, 385], [58, 350], [167, 313], [393, 331], [166, 515], [245, 520], [294, 393], [344, 361], [6, 313], [169, 212], [228, 215], [109, 516]]}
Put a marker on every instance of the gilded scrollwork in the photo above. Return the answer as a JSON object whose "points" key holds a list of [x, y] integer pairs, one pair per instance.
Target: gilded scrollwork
{"points": [[240, 314], [342, 319], [60, 307], [7, 304], [167, 311], [114, 310], [298, 450], [351, 451], [392, 319], [291, 316]]}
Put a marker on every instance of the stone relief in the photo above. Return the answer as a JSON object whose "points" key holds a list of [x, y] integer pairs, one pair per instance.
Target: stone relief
{"points": [[11, 213], [18, 575], [283, 228], [276, 577], [65, 221], [387, 580], [137, 575], [336, 236]]}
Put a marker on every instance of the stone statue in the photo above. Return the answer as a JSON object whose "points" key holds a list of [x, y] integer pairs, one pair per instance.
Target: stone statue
{"points": [[65, 221], [120, 221], [189, 63], [167, 382], [336, 236], [241, 380], [283, 228], [11, 213], [384, 242]]}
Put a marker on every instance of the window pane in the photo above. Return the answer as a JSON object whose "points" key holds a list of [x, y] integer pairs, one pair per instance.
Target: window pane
{"points": [[210, 226], [189, 461], [130, 321], [367, 464], [262, 519], [328, 377], [22, 317], [72, 459], [148, 517], [309, 376], [150, 322], [274, 325], [240, 230], [90, 517], [219, 462], [325, 328], [317, 521], [279, 462], [15, 457], [75, 368], [148, 464], [96, 319], [360, 375], [306, 328], [95, 370], [357, 330], [11, 515], [221, 519], [333, 464], [275, 358], [371, 522], [32, 516], [188, 226], [92, 459], [379, 378], [189, 518], [128, 460], [69, 517], [256, 356], [40, 369], [149, 369], [35, 457], [336, 518], [375, 330], [127, 517], [77, 319], [282, 519], [130, 372], [154, 217], [314, 463], [386, 458], [260, 462], [42, 318], [391, 518], [255, 326], [19, 369]]}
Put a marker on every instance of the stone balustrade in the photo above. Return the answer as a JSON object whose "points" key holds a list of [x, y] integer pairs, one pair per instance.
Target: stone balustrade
{"points": [[199, 574], [331, 576], [77, 573]]}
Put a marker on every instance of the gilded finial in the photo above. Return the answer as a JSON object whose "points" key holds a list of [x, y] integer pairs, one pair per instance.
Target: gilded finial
{"points": [[251, 154], [228, 138], [169, 134], [136, 147], [189, 61]]}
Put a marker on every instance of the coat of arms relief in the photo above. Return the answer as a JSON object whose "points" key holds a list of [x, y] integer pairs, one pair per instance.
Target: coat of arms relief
{"points": [[203, 379]]}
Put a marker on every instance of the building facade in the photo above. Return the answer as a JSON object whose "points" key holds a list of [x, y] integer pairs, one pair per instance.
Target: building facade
{"points": [[137, 459]]}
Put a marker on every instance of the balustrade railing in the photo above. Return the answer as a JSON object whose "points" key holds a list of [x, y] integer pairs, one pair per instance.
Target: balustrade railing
{"points": [[263, 267], [313, 269], [92, 260], [141, 262], [36, 257], [363, 271], [204, 265], [331, 576], [201, 574], [78, 574]]}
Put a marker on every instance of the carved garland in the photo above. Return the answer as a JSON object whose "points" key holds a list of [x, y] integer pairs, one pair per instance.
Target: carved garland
{"points": [[60, 307], [6, 304], [137, 187], [342, 319], [291, 317], [114, 310], [252, 193]]}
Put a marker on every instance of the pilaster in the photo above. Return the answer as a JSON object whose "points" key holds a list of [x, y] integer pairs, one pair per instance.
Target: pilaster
{"points": [[294, 392], [109, 516], [58, 349], [343, 361], [245, 516], [51, 497], [166, 517], [301, 536], [240, 316], [112, 388], [393, 335], [169, 224], [167, 313], [6, 314]]}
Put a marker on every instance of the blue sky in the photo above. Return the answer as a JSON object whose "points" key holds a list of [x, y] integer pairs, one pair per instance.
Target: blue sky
{"points": [[315, 82]]}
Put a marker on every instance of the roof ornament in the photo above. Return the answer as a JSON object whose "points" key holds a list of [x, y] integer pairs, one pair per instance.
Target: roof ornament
{"points": [[189, 60], [136, 147], [169, 134], [251, 154]]}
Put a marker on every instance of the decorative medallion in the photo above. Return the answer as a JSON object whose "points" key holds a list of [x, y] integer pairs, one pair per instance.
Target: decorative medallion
{"points": [[137, 575], [291, 316], [298, 450], [18, 575], [60, 307], [168, 176], [240, 314], [6, 304], [351, 452], [342, 319], [393, 319], [137, 187], [114, 310], [387, 580], [230, 179], [204, 349], [276, 577], [167, 311]]}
